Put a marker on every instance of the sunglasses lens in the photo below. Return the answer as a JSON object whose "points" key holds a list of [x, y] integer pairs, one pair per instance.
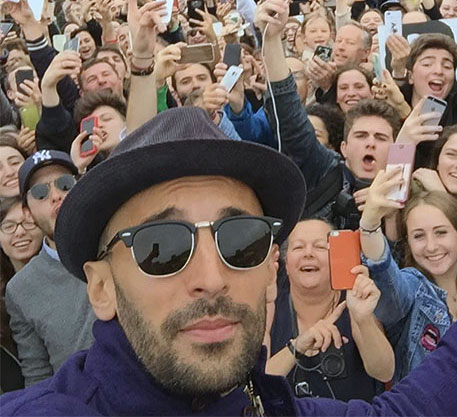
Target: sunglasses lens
{"points": [[244, 243], [40, 191], [162, 249], [65, 182]]}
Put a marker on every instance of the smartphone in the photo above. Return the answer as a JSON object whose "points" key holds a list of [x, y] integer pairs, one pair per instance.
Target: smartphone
{"points": [[72, 45], [393, 22], [433, 104], [192, 5], [197, 54], [169, 8], [88, 124], [294, 7], [30, 116], [87, 145], [5, 28], [344, 254], [232, 75], [401, 154], [377, 67], [323, 52], [58, 41], [232, 54], [21, 76]]}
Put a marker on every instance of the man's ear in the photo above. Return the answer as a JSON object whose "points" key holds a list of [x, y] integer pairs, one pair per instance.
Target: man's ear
{"points": [[343, 147], [100, 289]]}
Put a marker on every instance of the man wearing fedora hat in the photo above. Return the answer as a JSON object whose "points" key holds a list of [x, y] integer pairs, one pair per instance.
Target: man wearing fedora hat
{"points": [[51, 316], [179, 249]]}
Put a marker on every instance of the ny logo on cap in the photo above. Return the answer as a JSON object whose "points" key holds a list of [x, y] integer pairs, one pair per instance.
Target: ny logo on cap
{"points": [[41, 156]]}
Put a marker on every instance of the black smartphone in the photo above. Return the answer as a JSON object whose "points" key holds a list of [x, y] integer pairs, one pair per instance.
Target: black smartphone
{"points": [[21, 76], [294, 7], [192, 5], [232, 54], [323, 52]]}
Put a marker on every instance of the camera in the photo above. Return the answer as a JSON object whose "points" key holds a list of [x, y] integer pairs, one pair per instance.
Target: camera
{"points": [[332, 363]]}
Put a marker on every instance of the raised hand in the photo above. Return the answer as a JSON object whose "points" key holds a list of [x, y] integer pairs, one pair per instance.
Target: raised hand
{"points": [[364, 296], [82, 162], [430, 179], [377, 204], [144, 23], [415, 129], [166, 63], [320, 336], [26, 140], [29, 93], [321, 73], [400, 50], [64, 63], [273, 13]]}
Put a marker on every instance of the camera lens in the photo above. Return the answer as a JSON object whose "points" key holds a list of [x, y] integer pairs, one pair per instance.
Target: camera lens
{"points": [[333, 365]]}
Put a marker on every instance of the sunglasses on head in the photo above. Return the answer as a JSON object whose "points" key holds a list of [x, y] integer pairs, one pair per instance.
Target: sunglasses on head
{"points": [[63, 183], [165, 247]]}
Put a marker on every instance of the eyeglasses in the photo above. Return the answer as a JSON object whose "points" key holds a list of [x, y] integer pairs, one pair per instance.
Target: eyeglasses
{"points": [[10, 227], [63, 183], [164, 248]]}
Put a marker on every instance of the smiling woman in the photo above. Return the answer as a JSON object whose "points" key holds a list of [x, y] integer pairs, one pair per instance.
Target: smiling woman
{"points": [[11, 159], [418, 303], [20, 240]]}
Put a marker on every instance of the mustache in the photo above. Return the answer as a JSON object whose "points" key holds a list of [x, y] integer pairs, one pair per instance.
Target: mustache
{"points": [[222, 306]]}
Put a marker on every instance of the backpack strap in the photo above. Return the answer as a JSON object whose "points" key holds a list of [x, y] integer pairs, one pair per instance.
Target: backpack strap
{"points": [[325, 192]]}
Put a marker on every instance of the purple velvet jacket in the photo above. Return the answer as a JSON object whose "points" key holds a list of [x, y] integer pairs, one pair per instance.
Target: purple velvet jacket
{"points": [[108, 379]]}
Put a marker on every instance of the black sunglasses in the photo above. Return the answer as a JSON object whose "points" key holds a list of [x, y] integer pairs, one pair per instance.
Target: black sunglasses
{"points": [[41, 191], [163, 248]]}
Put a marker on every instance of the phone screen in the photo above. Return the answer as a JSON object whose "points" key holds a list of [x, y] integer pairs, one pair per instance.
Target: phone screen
{"points": [[232, 54], [197, 54], [192, 5], [5, 28], [323, 52], [88, 125], [22, 75], [87, 146]]}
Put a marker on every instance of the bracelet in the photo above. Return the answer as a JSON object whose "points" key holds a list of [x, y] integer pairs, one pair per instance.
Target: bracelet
{"points": [[366, 231], [141, 72], [296, 354]]}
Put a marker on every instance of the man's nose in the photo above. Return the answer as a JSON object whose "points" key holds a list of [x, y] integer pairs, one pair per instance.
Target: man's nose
{"points": [[206, 275]]}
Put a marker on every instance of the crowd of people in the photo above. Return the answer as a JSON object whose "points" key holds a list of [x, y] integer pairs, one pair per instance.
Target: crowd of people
{"points": [[117, 124]]}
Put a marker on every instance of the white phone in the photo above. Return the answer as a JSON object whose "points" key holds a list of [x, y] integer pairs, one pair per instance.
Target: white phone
{"points": [[393, 22], [232, 75], [169, 7]]}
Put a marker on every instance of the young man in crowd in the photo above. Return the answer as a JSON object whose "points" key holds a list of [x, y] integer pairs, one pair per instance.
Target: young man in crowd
{"points": [[51, 316], [333, 187]]}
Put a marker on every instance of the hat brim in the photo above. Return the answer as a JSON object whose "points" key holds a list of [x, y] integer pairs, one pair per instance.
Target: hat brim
{"points": [[277, 182]]}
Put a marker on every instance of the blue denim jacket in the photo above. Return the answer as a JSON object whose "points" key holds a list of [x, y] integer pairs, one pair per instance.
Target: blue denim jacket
{"points": [[412, 309]]}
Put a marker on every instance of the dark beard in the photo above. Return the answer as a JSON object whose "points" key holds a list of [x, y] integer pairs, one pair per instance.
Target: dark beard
{"points": [[219, 370]]}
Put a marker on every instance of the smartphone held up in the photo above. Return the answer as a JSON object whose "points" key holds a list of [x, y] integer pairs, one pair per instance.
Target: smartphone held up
{"points": [[344, 255], [87, 145]]}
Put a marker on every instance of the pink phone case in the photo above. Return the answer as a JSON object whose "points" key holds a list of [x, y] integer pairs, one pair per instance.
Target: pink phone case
{"points": [[401, 154]]}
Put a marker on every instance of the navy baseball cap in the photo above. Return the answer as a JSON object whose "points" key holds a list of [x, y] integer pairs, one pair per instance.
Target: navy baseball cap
{"points": [[38, 160]]}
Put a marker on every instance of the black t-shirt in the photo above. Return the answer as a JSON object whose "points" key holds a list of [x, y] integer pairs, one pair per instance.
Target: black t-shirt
{"points": [[356, 385]]}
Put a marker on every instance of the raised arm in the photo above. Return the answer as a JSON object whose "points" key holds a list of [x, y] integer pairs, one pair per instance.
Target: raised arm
{"points": [[144, 23], [374, 348], [298, 139]]}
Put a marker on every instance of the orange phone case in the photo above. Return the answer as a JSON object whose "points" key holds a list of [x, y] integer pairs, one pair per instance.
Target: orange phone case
{"points": [[344, 254]]}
